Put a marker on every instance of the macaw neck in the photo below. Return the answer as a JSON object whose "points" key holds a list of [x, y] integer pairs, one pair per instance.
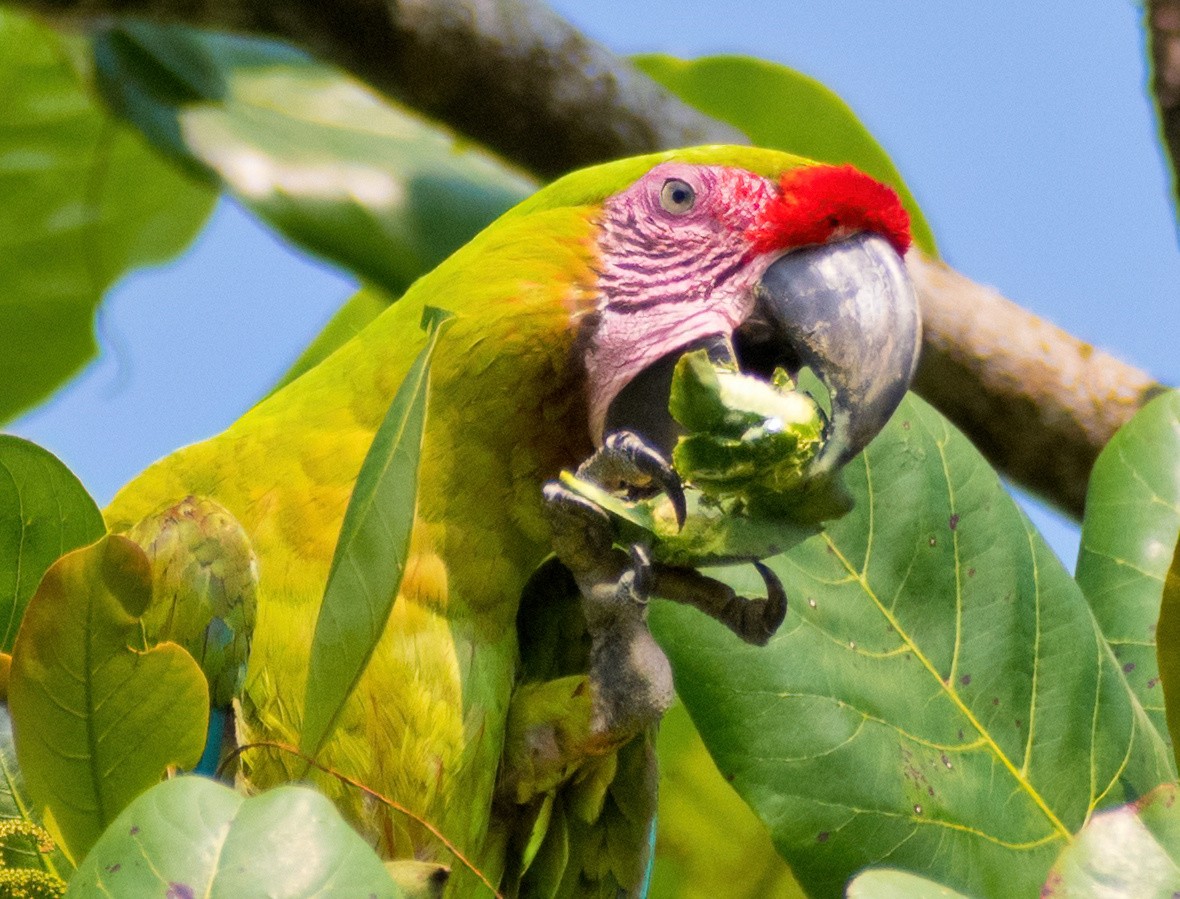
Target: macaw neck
{"points": [[506, 412]]}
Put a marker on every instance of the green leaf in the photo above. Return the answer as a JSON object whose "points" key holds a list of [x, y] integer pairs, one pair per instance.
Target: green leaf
{"points": [[335, 167], [44, 512], [885, 883], [712, 534], [98, 715], [371, 552], [1129, 533], [82, 201], [1133, 850], [194, 837], [15, 802], [782, 109], [709, 843], [1168, 649], [939, 697]]}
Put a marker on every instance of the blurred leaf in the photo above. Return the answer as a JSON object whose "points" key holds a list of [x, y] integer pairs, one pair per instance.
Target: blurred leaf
{"points": [[371, 552], [335, 167], [15, 802], [1133, 850], [194, 837], [781, 109], [82, 201], [1168, 649], [44, 512], [884, 883], [1129, 533], [349, 320], [939, 696], [709, 844], [98, 715]]}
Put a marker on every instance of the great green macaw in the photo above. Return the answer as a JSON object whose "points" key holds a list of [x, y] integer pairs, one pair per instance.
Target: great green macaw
{"points": [[567, 311]]}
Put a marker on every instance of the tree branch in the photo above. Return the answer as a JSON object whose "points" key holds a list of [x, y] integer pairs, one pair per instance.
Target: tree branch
{"points": [[517, 78], [1163, 31]]}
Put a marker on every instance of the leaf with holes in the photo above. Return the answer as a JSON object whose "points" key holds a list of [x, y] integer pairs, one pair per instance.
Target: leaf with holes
{"points": [[98, 715], [939, 697], [194, 837], [83, 199], [1130, 531], [44, 512]]}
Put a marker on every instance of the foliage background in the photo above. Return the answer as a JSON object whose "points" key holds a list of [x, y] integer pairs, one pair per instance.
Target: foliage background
{"points": [[1026, 134]]}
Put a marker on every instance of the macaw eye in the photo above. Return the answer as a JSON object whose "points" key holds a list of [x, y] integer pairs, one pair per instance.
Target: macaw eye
{"points": [[677, 197]]}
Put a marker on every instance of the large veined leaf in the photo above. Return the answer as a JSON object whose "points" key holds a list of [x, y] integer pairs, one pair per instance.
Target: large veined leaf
{"points": [[192, 837], [44, 512], [1129, 533], [782, 109], [336, 168], [939, 698], [82, 200], [371, 551], [98, 715], [1133, 850]]}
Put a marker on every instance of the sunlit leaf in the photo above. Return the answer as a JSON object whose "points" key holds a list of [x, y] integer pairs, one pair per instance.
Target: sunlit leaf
{"points": [[884, 883], [939, 698], [98, 715], [194, 837], [371, 552], [1168, 649], [1129, 533], [44, 512], [710, 844], [82, 200], [335, 167], [779, 108], [1133, 850]]}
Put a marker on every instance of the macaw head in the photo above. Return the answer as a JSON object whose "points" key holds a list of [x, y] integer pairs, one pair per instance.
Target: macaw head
{"points": [[763, 259]]}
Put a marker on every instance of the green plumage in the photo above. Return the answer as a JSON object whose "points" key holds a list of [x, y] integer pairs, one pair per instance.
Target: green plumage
{"points": [[507, 411]]}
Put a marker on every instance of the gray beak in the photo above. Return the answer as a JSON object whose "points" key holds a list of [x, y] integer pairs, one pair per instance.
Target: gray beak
{"points": [[848, 311]]}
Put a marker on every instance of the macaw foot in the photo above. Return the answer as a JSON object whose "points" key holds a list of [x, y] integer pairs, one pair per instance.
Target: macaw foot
{"points": [[630, 678]]}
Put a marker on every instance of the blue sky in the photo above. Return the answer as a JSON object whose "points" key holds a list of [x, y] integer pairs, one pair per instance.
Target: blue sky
{"points": [[1024, 130]]}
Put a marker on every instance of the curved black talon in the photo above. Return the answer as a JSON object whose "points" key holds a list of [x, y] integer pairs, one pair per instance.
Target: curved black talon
{"points": [[627, 458], [774, 607]]}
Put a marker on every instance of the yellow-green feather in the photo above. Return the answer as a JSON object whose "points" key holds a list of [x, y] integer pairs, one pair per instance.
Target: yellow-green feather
{"points": [[507, 410], [425, 724]]}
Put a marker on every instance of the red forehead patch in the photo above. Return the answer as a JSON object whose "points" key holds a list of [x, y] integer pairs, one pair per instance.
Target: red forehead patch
{"points": [[820, 201]]}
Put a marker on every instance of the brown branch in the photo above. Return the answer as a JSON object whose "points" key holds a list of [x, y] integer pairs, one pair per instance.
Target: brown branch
{"points": [[1163, 30], [514, 76], [1038, 402]]}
